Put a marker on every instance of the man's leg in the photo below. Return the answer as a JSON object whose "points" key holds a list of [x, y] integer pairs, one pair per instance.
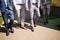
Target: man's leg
{"points": [[22, 16], [45, 15], [18, 12], [38, 11], [5, 18], [11, 20], [18, 8], [37, 14], [48, 9], [32, 19], [47, 12]]}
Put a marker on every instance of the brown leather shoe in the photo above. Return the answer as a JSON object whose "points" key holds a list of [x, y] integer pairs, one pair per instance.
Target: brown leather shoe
{"points": [[32, 29], [24, 28], [7, 31], [34, 25]]}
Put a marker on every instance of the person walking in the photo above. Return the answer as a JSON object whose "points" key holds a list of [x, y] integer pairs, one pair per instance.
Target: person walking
{"points": [[6, 8]]}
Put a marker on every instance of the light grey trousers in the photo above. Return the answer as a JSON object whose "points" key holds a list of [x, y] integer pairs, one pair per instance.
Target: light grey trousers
{"points": [[22, 14], [33, 7]]}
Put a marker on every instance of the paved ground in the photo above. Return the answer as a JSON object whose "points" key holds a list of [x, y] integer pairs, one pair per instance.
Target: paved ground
{"points": [[41, 33]]}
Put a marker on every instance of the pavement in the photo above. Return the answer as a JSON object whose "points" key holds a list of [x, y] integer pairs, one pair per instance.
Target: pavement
{"points": [[40, 33]]}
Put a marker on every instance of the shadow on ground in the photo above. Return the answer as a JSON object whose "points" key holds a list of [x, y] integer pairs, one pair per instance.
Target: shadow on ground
{"points": [[2, 29]]}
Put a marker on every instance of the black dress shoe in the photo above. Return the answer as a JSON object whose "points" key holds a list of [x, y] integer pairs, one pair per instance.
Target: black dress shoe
{"points": [[45, 23], [7, 32], [12, 30]]}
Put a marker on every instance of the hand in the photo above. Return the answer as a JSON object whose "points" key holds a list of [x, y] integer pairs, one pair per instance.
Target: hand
{"points": [[27, 9], [0, 14]]}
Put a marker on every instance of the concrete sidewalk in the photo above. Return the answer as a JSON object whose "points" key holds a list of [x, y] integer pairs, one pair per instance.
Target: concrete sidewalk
{"points": [[40, 33]]}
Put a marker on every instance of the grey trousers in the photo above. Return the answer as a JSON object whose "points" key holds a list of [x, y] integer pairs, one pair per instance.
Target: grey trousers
{"points": [[22, 14], [46, 12], [33, 7]]}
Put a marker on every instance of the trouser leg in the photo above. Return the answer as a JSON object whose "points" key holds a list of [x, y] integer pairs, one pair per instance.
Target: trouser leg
{"points": [[11, 15], [31, 15], [45, 15], [37, 14], [38, 11], [22, 15], [5, 18], [48, 9], [18, 15]]}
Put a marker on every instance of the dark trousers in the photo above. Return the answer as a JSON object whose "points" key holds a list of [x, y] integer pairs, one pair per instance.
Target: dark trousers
{"points": [[46, 12], [6, 15]]}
